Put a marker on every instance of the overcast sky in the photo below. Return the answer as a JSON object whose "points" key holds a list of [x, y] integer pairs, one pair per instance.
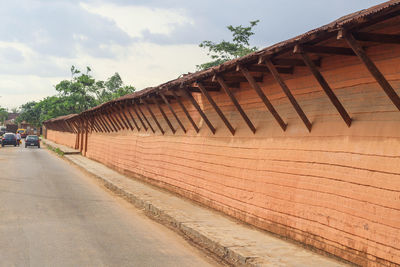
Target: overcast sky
{"points": [[147, 42]]}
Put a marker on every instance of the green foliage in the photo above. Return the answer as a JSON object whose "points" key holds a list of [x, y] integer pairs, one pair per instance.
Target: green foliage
{"points": [[55, 150], [3, 115], [225, 51], [80, 93]]}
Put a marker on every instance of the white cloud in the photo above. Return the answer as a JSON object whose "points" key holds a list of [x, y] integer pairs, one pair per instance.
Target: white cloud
{"points": [[145, 64], [16, 90], [135, 19]]}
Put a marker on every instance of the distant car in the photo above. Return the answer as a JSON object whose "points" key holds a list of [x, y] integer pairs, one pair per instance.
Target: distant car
{"points": [[9, 139], [32, 140], [22, 132]]}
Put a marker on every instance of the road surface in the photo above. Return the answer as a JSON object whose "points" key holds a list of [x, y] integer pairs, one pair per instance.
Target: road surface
{"points": [[51, 214]]}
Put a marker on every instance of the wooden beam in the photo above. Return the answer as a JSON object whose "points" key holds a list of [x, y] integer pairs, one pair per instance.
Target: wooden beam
{"points": [[325, 50], [263, 68], [164, 115], [172, 111], [216, 108], [107, 122], [95, 124], [111, 119], [99, 119], [194, 89], [197, 107], [137, 114], [145, 118], [185, 111], [373, 69], [289, 94], [236, 103], [120, 117], [130, 115], [211, 84], [115, 117], [122, 109], [263, 97], [98, 128], [240, 79], [325, 86], [376, 37], [153, 116], [292, 62]]}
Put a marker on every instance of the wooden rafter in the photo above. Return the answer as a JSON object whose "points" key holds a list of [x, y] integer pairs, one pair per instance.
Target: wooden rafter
{"points": [[377, 37], [101, 119], [153, 116], [111, 120], [106, 121], [289, 94], [145, 118], [94, 124], [185, 111], [120, 118], [164, 115], [115, 117], [290, 62], [216, 108], [164, 98], [263, 97], [197, 107], [130, 115], [194, 89], [221, 81], [137, 114], [325, 86], [125, 117], [325, 50], [372, 68]]}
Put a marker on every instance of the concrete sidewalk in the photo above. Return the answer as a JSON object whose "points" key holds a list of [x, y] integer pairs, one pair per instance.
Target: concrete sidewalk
{"points": [[66, 150], [236, 243]]}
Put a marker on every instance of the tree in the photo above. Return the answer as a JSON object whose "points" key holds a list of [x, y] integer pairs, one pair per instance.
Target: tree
{"points": [[3, 115], [225, 51], [29, 113], [74, 96], [111, 89]]}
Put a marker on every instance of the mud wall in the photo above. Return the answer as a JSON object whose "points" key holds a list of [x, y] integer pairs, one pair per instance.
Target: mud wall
{"points": [[63, 138], [336, 189]]}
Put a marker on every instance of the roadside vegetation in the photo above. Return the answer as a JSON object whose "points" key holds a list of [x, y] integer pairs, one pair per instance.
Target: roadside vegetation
{"points": [[78, 94], [55, 150]]}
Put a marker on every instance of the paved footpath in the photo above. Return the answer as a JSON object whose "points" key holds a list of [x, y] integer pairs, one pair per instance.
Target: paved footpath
{"points": [[52, 214], [236, 243]]}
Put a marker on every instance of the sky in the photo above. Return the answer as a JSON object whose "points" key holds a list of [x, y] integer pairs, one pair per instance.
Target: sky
{"points": [[148, 42]]}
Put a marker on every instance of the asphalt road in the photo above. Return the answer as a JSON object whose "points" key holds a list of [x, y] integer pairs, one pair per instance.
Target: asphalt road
{"points": [[51, 214]]}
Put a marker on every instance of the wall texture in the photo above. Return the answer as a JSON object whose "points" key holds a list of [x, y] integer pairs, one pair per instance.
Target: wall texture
{"points": [[336, 189], [63, 138]]}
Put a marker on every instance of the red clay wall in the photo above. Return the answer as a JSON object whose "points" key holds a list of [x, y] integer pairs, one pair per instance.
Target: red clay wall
{"points": [[63, 138], [336, 189]]}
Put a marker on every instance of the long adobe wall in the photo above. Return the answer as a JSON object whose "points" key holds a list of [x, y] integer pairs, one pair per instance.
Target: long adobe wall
{"points": [[336, 189], [63, 138]]}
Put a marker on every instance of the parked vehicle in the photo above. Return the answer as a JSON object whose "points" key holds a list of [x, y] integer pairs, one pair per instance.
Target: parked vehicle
{"points": [[9, 139], [22, 132], [32, 140]]}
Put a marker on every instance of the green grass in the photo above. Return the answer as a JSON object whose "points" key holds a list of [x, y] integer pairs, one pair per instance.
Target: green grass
{"points": [[55, 150]]}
